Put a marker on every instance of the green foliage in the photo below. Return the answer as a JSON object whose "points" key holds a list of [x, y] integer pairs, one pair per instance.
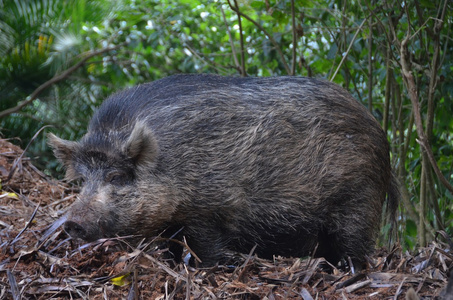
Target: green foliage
{"points": [[157, 38]]}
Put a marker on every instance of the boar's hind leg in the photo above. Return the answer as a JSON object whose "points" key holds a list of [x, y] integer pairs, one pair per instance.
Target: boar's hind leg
{"points": [[343, 245], [350, 233]]}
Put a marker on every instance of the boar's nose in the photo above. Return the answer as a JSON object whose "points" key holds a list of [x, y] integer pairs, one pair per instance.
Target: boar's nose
{"points": [[75, 230]]}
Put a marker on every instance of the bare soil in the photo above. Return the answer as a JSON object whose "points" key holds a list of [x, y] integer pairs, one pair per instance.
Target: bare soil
{"points": [[39, 261]]}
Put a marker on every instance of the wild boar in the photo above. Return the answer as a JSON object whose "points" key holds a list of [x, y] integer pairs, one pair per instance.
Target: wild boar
{"points": [[289, 164]]}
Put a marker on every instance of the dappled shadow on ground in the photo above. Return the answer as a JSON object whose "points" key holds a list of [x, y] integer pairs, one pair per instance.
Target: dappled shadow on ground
{"points": [[40, 261]]}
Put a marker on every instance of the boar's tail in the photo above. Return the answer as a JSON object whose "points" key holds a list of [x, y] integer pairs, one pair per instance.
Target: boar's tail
{"points": [[393, 197]]}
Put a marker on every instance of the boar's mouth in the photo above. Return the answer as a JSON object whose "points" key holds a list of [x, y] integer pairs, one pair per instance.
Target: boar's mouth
{"points": [[88, 232], [76, 231]]}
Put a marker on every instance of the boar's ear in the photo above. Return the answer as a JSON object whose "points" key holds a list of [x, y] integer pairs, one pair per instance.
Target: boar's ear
{"points": [[63, 151], [141, 145]]}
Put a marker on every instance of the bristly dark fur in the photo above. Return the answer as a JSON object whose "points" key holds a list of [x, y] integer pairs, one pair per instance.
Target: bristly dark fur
{"points": [[285, 163]]}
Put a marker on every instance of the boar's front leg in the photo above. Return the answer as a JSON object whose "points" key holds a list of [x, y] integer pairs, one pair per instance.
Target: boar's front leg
{"points": [[207, 243]]}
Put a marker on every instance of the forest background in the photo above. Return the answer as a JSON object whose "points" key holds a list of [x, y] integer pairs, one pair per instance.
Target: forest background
{"points": [[60, 59]]}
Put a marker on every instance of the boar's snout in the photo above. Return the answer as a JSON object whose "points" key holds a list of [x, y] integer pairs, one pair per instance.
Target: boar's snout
{"points": [[75, 230]]}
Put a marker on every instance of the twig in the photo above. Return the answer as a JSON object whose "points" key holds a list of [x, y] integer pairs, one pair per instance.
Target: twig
{"points": [[349, 48], [184, 244], [55, 225], [370, 67], [214, 65], [271, 38], [243, 72], [13, 284], [233, 49], [26, 225], [293, 24], [398, 290], [19, 159], [351, 281], [168, 270], [57, 78], [357, 286], [245, 266], [305, 294], [411, 87]]}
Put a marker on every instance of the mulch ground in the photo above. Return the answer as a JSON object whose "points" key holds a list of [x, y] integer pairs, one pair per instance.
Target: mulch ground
{"points": [[38, 260]]}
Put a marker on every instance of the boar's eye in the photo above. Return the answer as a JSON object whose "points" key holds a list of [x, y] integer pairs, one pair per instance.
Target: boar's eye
{"points": [[117, 178]]}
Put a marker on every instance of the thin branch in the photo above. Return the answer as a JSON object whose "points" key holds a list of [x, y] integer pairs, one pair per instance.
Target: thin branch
{"points": [[18, 160], [206, 60], [388, 84], [270, 37], [293, 24], [433, 79], [28, 224], [233, 49], [243, 72], [57, 78], [349, 48], [411, 87], [391, 37], [370, 67]]}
